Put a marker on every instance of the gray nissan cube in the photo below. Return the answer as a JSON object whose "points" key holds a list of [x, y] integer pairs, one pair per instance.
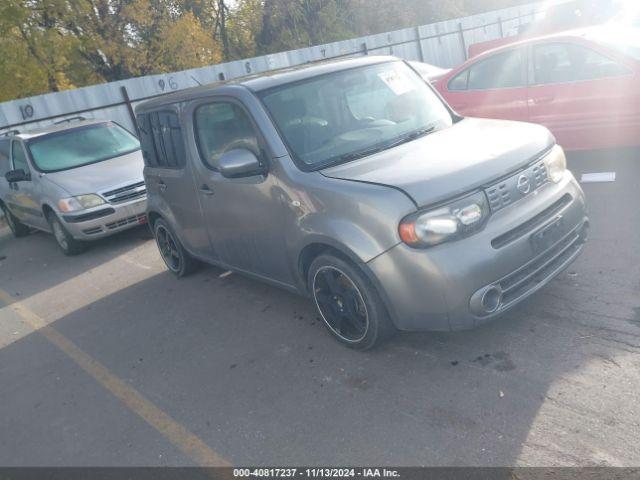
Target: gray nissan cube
{"points": [[354, 183]]}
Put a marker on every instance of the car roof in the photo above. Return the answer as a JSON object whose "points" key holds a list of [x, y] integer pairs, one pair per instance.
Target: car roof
{"points": [[59, 127], [265, 80], [584, 33]]}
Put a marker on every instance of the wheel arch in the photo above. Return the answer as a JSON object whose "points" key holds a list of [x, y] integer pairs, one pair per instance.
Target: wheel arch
{"points": [[47, 210], [324, 246], [152, 217], [313, 250]]}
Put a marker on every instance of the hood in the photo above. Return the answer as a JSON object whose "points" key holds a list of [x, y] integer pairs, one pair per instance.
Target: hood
{"points": [[452, 161], [101, 176]]}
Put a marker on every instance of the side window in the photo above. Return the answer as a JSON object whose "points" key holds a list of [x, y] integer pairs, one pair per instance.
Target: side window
{"points": [[4, 156], [220, 127], [502, 70], [566, 62], [459, 82], [161, 139], [19, 160]]}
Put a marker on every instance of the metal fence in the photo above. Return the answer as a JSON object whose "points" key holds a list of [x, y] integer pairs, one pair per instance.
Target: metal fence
{"points": [[444, 44]]}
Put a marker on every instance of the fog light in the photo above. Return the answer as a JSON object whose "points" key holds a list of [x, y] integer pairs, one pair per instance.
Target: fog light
{"points": [[487, 300], [491, 299]]}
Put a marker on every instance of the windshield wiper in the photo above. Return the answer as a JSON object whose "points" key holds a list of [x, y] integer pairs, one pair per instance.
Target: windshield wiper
{"points": [[362, 153], [404, 139], [421, 132]]}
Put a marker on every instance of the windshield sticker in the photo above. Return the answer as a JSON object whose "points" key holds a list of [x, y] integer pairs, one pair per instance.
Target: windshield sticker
{"points": [[396, 81]]}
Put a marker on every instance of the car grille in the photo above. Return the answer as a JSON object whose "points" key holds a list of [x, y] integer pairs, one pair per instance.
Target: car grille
{"points": [[126, 193], [507, 191], [142, 218], [532, 223], [545, 266]]}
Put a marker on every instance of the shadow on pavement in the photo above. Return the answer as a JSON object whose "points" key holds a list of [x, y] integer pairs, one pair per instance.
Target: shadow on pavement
{"points": [[251, 371], [34, 263]]}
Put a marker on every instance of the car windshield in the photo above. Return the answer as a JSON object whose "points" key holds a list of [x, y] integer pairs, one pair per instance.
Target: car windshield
{"points": [[624, 40], [81, 146], [341, 116]]}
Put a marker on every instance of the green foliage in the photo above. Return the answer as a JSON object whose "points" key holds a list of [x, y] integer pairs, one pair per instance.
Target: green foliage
{"points": [[52, 45]]}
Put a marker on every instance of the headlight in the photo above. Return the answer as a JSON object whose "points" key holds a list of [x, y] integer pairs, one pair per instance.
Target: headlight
{"points": [[556, 163], [455, 220], [80, 202]]}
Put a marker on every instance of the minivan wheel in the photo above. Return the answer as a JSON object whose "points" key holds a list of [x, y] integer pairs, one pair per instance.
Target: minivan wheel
{"points": [[69, 245], [18, 229], [348, 303], [175, 257]]}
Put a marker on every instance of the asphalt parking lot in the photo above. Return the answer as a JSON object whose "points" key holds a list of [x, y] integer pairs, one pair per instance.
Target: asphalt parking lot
{"points": [[106, 359]]}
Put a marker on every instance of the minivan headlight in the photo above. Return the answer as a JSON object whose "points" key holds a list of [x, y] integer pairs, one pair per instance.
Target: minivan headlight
{"points": [[556, 164], [457, 219], [79, 202]]}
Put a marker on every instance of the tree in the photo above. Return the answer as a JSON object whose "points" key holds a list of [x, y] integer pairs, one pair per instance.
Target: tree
{"points": [[30, 25], [288, 24], [51, 45]]}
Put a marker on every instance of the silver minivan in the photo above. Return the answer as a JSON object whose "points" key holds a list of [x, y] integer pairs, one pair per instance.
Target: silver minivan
{"points": [[354, 183], [81, 180]]}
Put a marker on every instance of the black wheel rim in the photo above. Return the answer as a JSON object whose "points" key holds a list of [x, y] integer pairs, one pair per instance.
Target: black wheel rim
{"points": [[341, 304], [168, 249]]}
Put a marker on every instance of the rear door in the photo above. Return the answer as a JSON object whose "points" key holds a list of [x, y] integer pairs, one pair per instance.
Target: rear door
{"points": [[169, 179], [583, 96], [24, 200], [493, 87]]}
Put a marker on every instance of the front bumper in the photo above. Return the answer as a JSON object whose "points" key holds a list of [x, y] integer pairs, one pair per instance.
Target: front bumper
{"points": [[106, 219], [440, 288]]}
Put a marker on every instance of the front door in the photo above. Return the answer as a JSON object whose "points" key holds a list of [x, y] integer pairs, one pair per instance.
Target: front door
{"points": [[23, 199], [494, 87], [243, 215]]}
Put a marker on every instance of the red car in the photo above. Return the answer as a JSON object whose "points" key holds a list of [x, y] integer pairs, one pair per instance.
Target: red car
{"points": [[583, 85]]}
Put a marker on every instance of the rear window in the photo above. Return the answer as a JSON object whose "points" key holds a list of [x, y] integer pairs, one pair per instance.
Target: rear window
{"points": [[161, 139], [81, 146]]}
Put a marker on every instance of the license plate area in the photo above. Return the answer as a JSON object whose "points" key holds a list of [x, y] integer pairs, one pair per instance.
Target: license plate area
{"points": [[547, 235]]}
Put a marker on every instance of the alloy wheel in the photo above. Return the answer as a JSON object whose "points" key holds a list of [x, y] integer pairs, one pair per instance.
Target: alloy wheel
{"points": [[340, 303], [168, 249], [59, 234]]}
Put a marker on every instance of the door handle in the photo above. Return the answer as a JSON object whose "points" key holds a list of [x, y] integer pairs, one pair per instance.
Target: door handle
{"points": [[162, 186], [205, 190]]}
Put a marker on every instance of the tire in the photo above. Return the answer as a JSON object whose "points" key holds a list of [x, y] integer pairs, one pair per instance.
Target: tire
{"points": [[17, 228], [69, 245], [175, 257], [348, 303]]}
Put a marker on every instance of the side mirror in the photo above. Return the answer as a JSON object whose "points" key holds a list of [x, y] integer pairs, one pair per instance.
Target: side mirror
{"points": [[240, 162], [18, 175]]}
